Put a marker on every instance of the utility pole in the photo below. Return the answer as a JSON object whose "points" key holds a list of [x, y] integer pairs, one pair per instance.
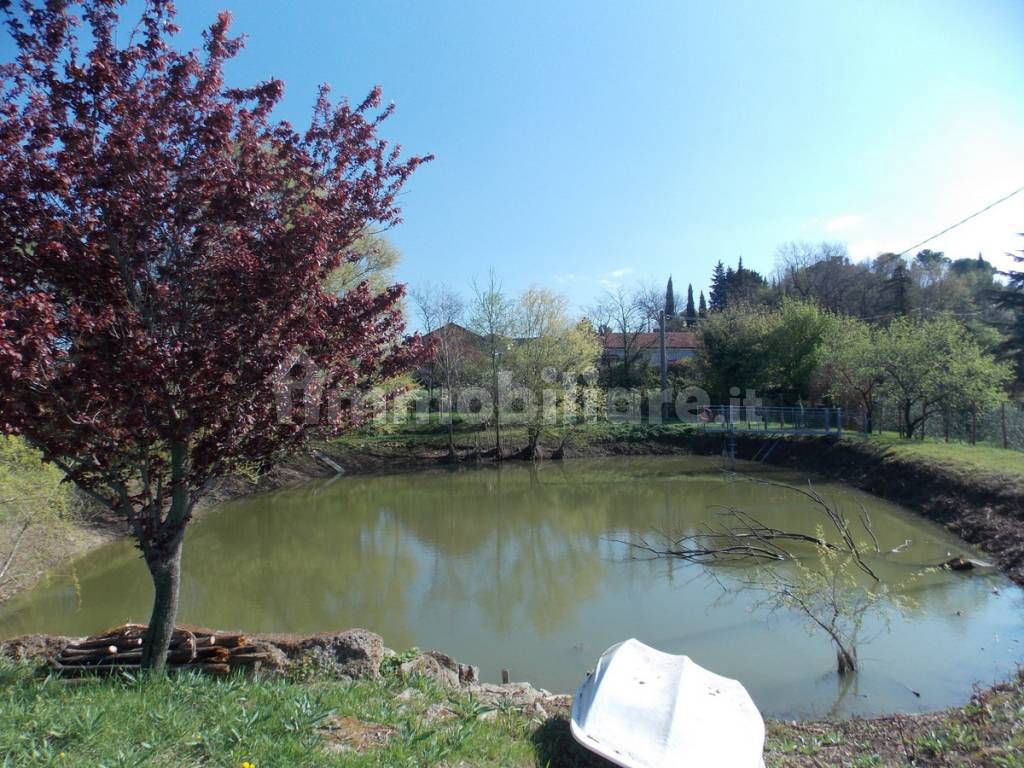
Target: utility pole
{"points": [[664, 367]]}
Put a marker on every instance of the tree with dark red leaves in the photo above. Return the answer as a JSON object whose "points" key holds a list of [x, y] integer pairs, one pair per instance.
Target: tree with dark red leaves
{"points": [[164, 251]]}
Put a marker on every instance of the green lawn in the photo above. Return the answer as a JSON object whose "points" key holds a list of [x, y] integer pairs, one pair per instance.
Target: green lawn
{"points": [[960, 458], [254, 722], [192, 720]]}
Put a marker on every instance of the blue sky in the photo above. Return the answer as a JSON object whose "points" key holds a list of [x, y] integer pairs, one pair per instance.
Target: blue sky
{"points": [[586, 144]]}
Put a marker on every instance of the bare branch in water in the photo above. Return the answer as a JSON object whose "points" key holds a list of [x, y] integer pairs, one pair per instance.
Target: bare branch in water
{"points": [[738, 536]]}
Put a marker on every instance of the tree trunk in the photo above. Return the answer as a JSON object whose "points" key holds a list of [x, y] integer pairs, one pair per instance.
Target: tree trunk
{"points": [[165, 568], [496, 411], [161, 547], [532, 452], [846, 661], [908, 424]]}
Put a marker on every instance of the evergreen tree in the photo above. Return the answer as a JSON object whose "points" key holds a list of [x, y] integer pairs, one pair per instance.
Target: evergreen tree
{"points": [[702, 307], [719, 287], [1012, 298], [670, 299], [746, 285], [691, 311], [899, 289]]}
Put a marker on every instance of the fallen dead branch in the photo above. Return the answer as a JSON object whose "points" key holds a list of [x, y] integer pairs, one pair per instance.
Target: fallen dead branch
{"points": [[737, 536]]}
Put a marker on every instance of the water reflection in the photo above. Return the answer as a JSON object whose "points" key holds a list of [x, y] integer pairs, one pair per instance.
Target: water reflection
{"points": [[518, 567]]}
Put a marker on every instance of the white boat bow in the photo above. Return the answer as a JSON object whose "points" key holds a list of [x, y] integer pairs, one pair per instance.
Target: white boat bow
{"points": [[642, 708]]}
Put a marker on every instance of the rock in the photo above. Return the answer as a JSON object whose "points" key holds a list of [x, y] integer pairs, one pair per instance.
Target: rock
{"points": [[356, 653], [42, 649], [467, 673], [408, 695], [958, 564], [535, 702], [441, 668], [429, 667]]}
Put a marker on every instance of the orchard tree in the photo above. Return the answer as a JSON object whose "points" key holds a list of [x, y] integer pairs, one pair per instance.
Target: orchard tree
{"points": [[929, 365], [854, 364], [165, 255], [797, 345]]}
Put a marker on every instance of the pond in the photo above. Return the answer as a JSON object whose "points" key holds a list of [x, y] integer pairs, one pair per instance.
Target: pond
{"points": [[524, 568]]}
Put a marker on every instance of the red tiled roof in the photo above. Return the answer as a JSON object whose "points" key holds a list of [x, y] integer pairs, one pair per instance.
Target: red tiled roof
{"points": [[673, 340]]}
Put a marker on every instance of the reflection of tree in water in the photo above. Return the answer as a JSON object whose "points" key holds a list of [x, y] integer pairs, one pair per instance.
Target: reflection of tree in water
{"points": [[529, 545], [301, 562], [521, 546]]}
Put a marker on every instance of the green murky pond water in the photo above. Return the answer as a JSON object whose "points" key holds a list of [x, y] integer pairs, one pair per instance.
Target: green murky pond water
{"points": [[521, 568]]}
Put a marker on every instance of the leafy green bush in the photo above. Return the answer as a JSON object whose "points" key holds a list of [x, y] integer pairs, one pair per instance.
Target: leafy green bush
{"points": [[29, 487]]}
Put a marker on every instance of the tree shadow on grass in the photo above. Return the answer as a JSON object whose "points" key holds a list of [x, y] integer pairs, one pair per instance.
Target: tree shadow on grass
{"points": [[556, 748]]}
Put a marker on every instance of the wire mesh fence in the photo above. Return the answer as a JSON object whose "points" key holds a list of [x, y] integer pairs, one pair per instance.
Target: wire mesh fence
{"points": [[759, 418], [1002, 427]]}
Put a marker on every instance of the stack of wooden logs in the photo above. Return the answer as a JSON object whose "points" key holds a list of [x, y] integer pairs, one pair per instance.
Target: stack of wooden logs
{"points": [[200, 650]]}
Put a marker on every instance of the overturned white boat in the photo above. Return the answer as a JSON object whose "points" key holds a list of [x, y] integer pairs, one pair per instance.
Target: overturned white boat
{"points": [[642, 708]]}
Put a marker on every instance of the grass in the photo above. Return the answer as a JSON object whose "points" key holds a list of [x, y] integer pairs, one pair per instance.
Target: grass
{"points": [[193, 720], [959, 458], [189, 720]]}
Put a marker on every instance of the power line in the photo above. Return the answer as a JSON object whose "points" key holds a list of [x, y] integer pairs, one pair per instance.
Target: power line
{"points": [[962, 221]]}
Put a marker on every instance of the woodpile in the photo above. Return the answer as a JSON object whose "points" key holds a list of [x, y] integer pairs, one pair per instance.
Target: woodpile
{"points": [[201, 650]]}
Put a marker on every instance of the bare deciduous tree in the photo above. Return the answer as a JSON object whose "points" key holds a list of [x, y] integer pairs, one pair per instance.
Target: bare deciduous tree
{"points": [[835, 589], [626, 313], [441, 312], [491, 317]]}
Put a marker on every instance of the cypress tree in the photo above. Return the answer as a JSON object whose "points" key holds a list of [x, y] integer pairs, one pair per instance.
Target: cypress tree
{"points": [[702, 310], [691, 311], [670, 299]]}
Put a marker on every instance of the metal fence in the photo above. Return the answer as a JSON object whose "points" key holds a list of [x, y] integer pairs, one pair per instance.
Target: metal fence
{"points": [[772, 419], [1002, 427]]}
